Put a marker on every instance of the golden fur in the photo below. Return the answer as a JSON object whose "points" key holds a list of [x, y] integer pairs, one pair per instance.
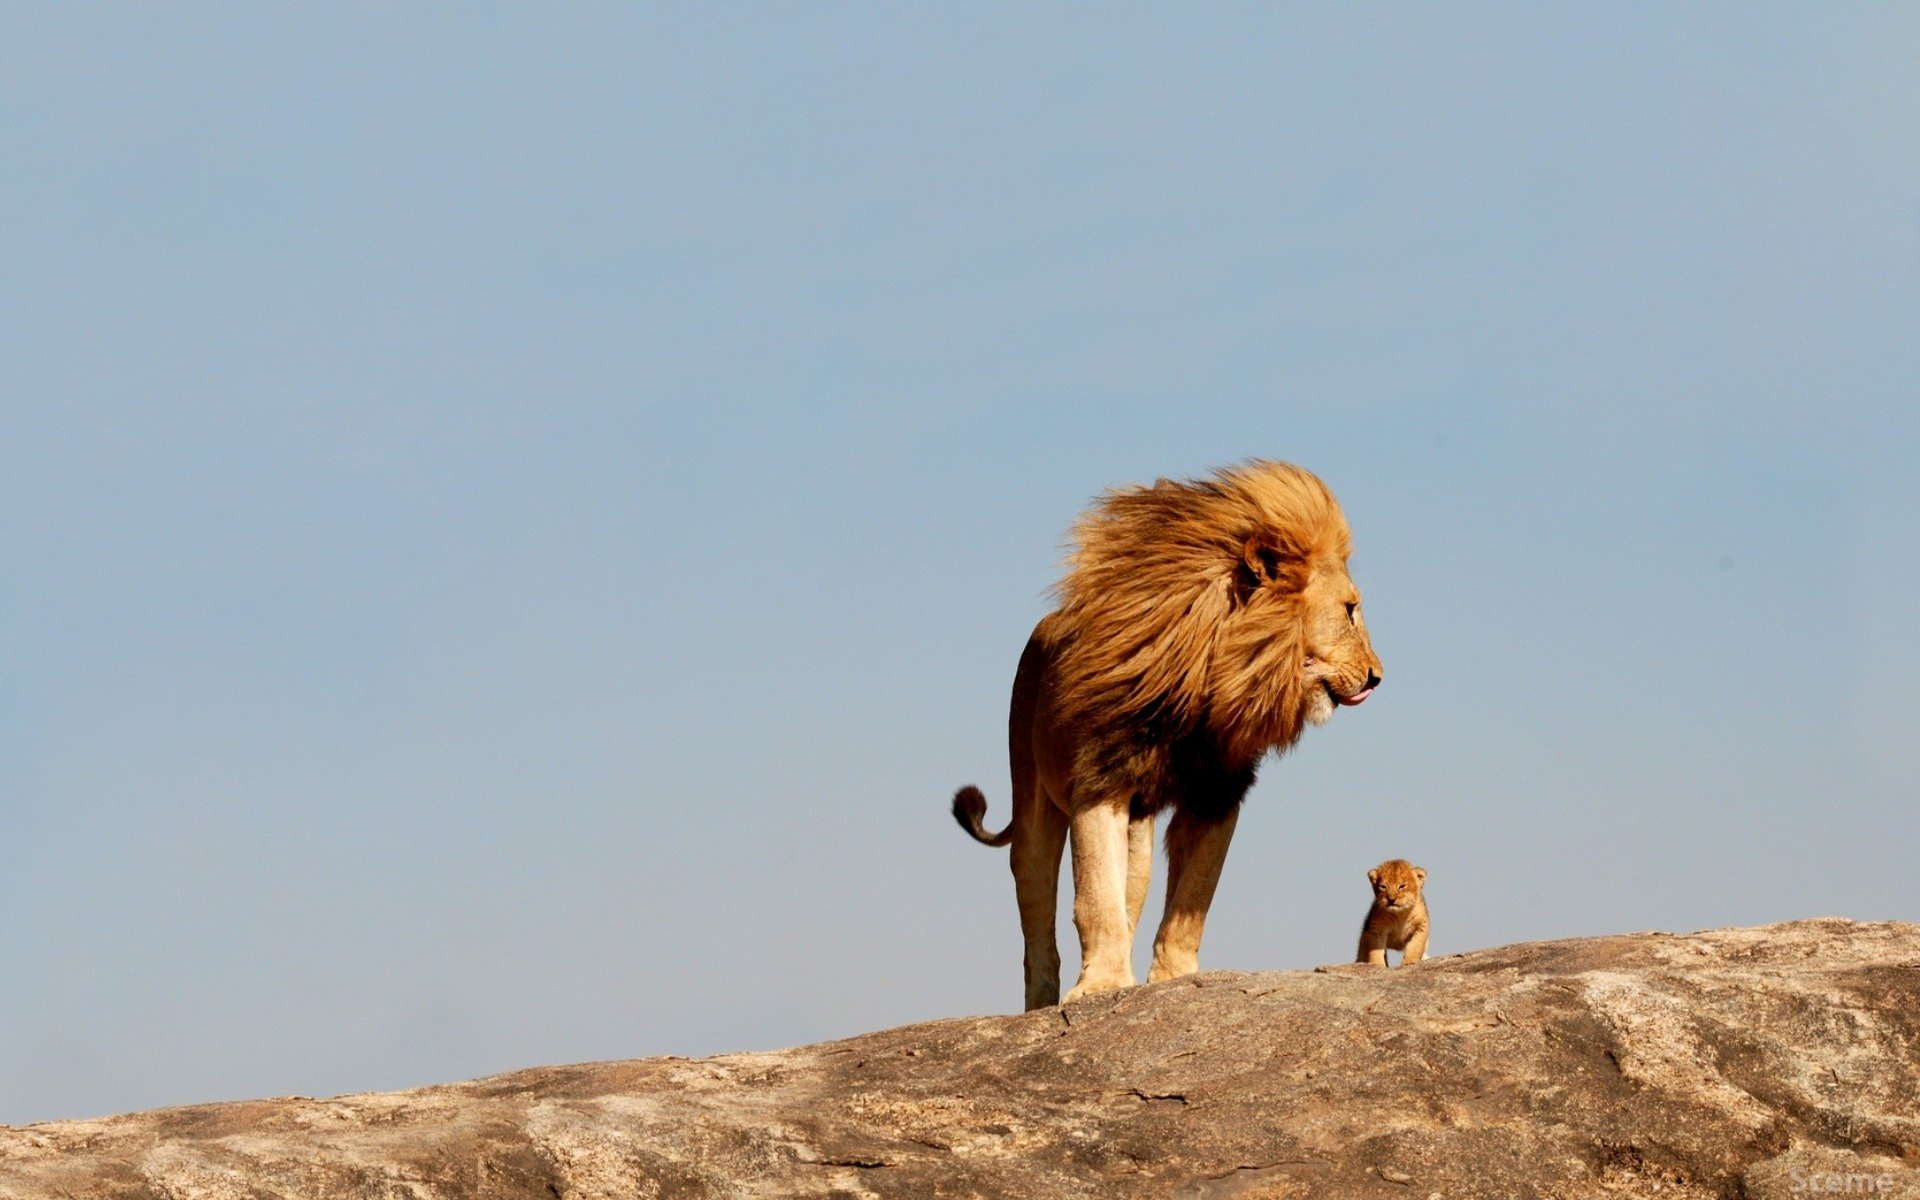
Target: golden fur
{"points": [[1398, 918], [1168, 620], [1201, 624]]}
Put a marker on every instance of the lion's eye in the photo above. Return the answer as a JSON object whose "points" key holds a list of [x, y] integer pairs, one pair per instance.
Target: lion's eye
{"points": [[1351, 607]]}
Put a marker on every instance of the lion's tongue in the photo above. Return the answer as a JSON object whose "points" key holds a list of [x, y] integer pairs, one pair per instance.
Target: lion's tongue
{"points": [[1356, 698]]}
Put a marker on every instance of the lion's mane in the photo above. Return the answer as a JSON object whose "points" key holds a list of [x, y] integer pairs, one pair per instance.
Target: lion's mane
{"points": [[1181, 618]]}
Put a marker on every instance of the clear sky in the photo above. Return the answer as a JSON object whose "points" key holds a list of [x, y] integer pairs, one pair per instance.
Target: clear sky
{"points": [[514, 523]]}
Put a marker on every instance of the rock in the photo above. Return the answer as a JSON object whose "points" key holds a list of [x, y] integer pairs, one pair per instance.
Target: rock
{"points": [[1781, 1062]]}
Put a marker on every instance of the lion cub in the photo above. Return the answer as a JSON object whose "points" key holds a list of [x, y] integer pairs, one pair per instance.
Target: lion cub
{"points": [[1398, 920]]}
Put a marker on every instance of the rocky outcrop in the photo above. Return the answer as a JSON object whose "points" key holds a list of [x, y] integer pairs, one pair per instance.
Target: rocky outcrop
{"points": [[1774, 1062]]}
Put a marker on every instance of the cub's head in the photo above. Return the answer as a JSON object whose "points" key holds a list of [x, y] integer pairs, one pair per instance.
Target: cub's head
{"points": [[1396, 884]]}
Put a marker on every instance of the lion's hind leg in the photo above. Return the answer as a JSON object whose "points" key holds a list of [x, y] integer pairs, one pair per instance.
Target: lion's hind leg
{"points": [[1040, 835]]}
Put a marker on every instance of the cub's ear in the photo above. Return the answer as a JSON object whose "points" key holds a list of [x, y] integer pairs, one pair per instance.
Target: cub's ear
{"points": [[1420, 874], [1264, 563], [1373, 877]]}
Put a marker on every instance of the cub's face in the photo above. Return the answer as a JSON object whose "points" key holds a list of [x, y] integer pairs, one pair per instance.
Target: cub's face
{"points": [[1396, 884], [1341, 667]]}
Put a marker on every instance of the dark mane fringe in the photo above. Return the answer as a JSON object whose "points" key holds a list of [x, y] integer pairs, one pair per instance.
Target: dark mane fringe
{"points": [[1162, 620]]}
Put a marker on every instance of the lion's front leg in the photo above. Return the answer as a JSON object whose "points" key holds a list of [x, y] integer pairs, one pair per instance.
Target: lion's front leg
{"points": [[1099, 841], [1139, 870], [1196, 851]]}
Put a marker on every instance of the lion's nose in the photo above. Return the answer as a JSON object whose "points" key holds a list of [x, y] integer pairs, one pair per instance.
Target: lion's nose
{"points": [[1373, 679]]}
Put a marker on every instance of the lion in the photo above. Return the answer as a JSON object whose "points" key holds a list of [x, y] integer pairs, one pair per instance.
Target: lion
{"points": [[1201, 624], [1398, 918]]}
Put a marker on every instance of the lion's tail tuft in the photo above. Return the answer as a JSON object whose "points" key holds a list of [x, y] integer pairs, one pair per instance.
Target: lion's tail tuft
{"points": [[970, 809]]}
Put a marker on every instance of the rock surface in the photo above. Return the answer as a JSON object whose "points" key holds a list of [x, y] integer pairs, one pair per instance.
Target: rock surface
{"points": [[1774, 1062]]}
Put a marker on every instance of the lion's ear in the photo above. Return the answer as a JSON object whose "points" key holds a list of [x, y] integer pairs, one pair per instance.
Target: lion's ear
{"points": [[1265, 564], [1373, 876], [1420, 874]]}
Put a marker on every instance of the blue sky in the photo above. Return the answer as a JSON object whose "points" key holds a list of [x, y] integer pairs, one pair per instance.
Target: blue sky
{"points": [[517, 521]]}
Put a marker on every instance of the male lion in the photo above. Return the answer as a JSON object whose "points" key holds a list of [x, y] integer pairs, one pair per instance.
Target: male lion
{"points": [[1201, 624]]}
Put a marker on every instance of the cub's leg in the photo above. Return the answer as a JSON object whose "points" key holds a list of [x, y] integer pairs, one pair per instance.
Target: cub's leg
{"points": [[1040, 833], [1139, 870], [1196, 850], [1100, 898], [1373, 946], [1416, 947]]}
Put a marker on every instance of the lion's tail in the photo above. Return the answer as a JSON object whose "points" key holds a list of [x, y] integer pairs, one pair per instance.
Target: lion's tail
{"points": [[970, 809]]}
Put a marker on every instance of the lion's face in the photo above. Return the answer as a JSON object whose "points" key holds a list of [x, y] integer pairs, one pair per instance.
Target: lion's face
{"points": [[1340, 667], [1396, 884], [1222, 602]]}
